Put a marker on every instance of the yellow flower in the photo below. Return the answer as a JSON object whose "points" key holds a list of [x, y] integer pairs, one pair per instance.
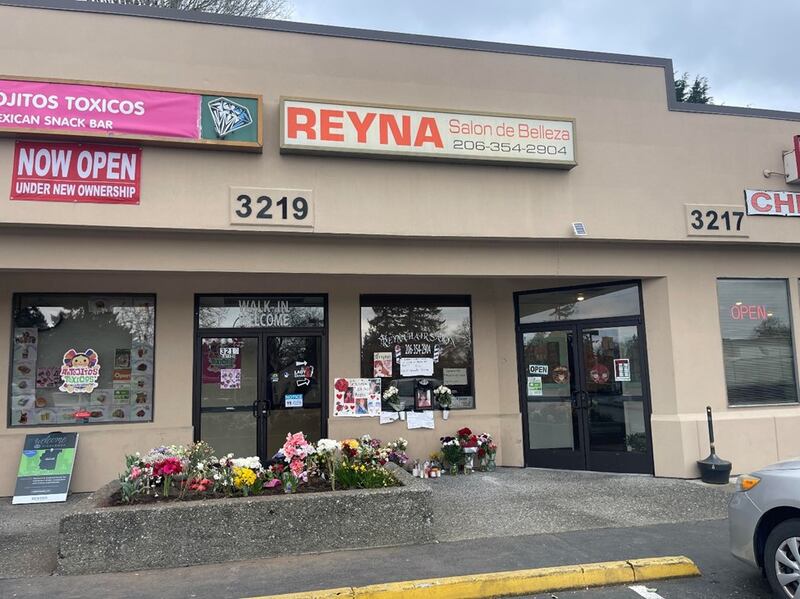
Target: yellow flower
{"points": [[243, 477]]}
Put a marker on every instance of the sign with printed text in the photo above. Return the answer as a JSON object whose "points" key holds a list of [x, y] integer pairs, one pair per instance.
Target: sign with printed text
{"points": [[622, 370], [265, 207], [293, 400], [535, 388], [542, 369], [45, 468], [174, 117], [771, 203], [416, 366], [316, 126], [73, 172]]}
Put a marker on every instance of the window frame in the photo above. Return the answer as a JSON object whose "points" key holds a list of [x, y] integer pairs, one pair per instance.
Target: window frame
{"points": [[451, 300], [517, 295], [728, 403], [16, 304]]}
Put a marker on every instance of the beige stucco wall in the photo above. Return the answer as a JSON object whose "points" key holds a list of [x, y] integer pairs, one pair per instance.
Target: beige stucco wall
{"points": [[406, 227], [639, 163], [683, 336]]}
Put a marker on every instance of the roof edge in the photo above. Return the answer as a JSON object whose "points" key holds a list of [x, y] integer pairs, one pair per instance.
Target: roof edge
{"points": [[407, 38]]}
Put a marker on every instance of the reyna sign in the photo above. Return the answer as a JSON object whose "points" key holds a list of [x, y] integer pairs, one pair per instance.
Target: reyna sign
{"points": [[158, 116], [315, 126]]}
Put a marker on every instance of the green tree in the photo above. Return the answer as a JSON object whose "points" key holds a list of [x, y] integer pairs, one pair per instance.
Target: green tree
{"points": [[264, 9], [695, 92]]}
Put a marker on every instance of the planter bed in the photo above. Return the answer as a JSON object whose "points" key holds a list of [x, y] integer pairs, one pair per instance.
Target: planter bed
{"points": [[95, 537]]}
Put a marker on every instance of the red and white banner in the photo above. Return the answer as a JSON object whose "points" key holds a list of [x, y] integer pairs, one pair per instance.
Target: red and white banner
{"points": [[772, 203], [315, 126], [76, 172]]}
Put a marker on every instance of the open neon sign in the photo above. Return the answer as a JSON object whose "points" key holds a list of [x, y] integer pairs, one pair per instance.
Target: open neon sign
{"points": [[749, 312]]}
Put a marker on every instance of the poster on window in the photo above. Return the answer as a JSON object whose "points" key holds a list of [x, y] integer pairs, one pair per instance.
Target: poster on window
{"points": [[215, 358], [356, 397], [382, 364], [80, 371], [230, 378], [535, 386], [25, 339], [622, 370], [416, 366]]}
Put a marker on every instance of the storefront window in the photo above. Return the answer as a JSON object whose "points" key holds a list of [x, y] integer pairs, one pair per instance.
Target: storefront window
{"points": [[577, 304], [81, 359], [258, 312], [757, 341], [416, 342]]}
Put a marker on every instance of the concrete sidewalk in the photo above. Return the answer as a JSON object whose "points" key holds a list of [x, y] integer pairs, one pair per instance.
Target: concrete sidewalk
{"points": [[526, 501]]}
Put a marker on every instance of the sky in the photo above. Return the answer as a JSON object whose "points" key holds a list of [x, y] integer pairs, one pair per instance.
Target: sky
{"points": [[747, 49]]}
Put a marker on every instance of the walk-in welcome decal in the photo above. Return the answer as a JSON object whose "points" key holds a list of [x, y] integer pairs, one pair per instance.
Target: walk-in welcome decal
{"points": [[173, 117], [315, 126]]}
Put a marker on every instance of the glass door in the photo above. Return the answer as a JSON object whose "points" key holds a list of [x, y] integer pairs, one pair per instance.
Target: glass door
{"points": [[229, 392], [613, 398], [554, 432], [584, 396], [294, 400]]}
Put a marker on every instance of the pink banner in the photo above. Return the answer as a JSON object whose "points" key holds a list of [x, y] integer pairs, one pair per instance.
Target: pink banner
{"points": [[114, 111]]}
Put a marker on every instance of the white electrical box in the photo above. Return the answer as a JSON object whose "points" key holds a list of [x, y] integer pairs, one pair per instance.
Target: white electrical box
{"points": [[791, 162]]}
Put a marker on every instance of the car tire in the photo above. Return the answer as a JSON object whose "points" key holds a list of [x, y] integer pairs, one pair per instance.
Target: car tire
{"points": [[782, 559]]}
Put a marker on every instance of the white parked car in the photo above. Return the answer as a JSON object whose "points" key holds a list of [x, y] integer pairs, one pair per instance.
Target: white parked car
{"points": [[764, 519]]}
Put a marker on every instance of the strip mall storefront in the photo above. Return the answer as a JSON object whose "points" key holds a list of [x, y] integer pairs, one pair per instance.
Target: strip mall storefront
{"points": [[214, 247]]}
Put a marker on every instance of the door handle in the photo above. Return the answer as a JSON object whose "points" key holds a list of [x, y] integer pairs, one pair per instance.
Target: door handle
{"points": [[255, 409]]}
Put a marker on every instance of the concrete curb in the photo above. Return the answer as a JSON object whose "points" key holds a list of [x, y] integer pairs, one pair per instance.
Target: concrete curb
{"points": [[517, 582]]}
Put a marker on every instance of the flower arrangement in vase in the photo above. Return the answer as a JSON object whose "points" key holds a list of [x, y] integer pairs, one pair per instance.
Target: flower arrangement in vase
{"points": [[444, 397], [392, 397]]}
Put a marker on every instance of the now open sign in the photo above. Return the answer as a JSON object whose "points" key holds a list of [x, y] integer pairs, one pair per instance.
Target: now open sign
{"points": [[76, 172]]}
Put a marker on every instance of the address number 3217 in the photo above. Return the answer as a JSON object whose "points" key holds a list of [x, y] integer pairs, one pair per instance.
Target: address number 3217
{"points": [[271, 207]]}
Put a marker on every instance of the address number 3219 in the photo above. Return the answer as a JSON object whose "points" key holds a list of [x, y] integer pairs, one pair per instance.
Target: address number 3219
{"points": [[271, 207]]}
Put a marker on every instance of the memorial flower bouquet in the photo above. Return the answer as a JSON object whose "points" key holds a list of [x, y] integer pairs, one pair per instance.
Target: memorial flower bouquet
{"points": [[444, 397], [397, 451], [326, 458], [452, 452], [392, 398], [486, 446], [296, 452]]}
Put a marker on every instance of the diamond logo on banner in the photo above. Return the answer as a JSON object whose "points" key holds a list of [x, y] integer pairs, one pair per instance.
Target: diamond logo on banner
{"points": [[228, 116]]}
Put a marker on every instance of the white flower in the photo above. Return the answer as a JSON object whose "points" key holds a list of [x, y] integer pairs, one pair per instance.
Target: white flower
{"points": [[327, 446], [252, 462]]}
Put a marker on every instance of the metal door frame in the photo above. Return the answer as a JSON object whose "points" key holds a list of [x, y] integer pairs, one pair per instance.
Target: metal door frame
{"points": [[643, 463], [263, 393]]}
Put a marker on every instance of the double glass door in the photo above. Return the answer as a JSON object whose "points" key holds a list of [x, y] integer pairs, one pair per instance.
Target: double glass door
{"points": [[254, 388], [584, 396]]}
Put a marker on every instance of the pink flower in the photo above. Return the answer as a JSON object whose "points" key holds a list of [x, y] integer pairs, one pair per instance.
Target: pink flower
{"points": [[136, 472], [296, 466]]}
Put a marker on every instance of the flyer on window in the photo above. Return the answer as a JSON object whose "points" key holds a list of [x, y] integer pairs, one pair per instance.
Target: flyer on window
{"points": [[382, 364], [357, 397]]}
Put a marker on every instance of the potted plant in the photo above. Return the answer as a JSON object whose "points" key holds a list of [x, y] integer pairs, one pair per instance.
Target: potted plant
{"points": [[392, 397], [444, 397]]}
